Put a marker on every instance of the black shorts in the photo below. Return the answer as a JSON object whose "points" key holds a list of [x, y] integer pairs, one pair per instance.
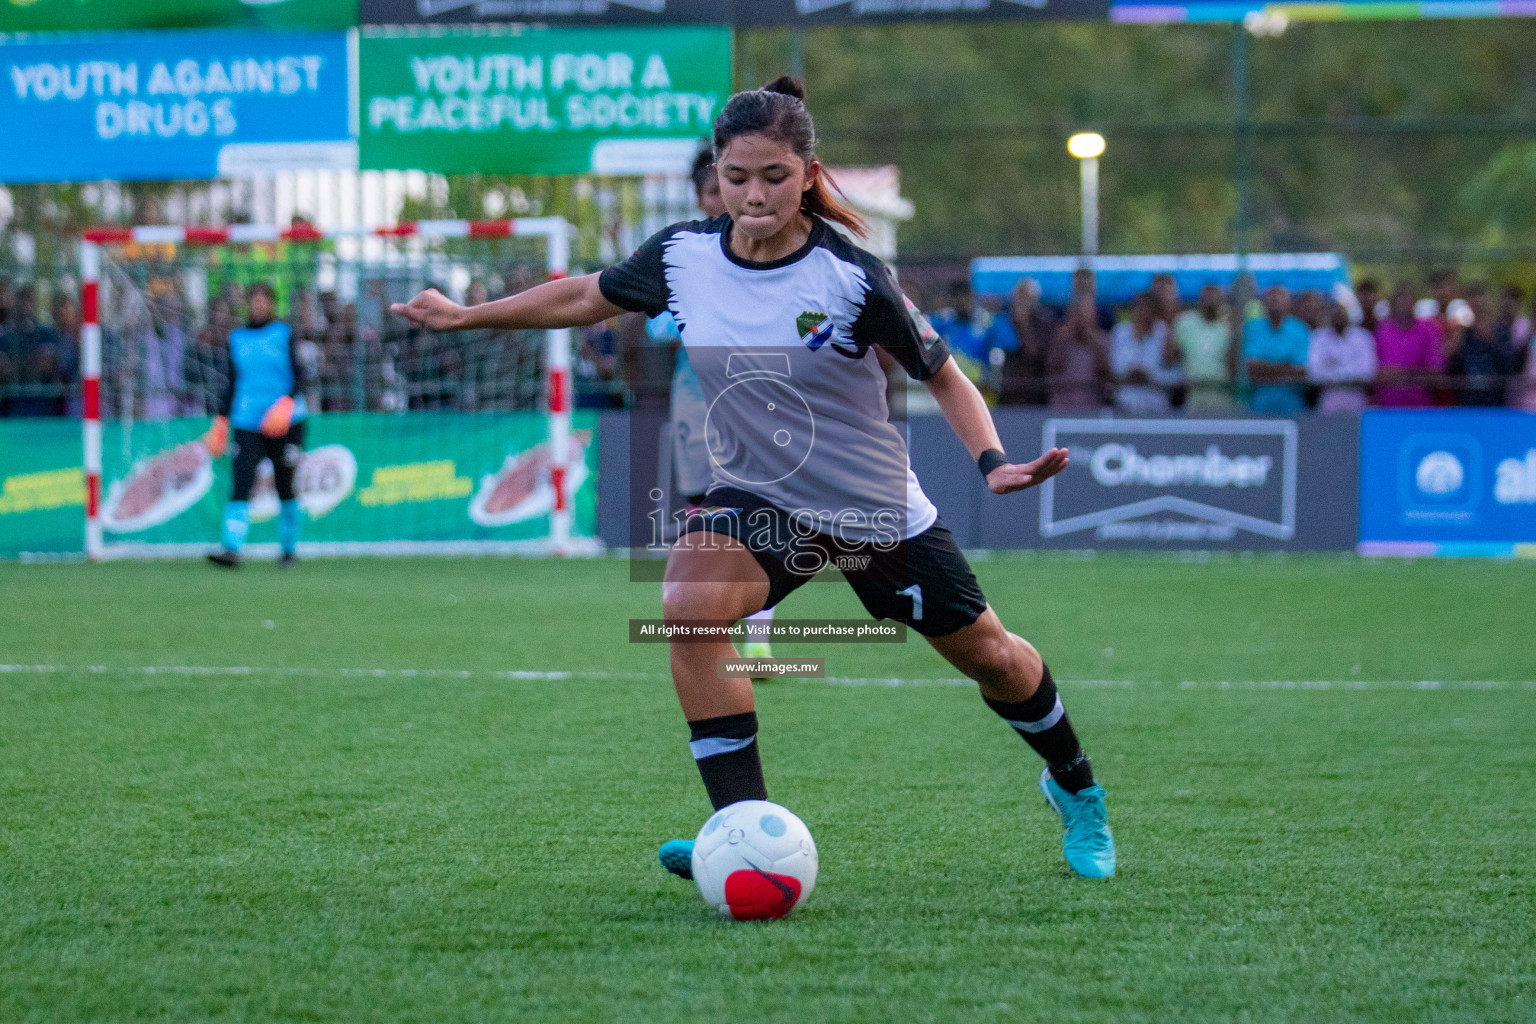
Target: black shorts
{"points": [[923, 581], [251, 446]]}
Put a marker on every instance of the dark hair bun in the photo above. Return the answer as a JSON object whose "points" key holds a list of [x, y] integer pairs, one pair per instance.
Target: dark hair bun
{"points": [[787, 86]]}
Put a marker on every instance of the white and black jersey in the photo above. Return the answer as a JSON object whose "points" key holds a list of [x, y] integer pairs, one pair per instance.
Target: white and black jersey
{"points": [[784, 355]]}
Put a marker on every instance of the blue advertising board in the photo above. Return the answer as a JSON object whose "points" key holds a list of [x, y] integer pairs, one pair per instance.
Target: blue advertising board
{"points": [[1119, 278], [1448, 482], [173, 105]]}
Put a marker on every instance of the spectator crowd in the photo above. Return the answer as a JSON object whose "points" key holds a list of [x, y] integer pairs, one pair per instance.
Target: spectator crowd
{"points": [[1278, 354], [161, 360]]}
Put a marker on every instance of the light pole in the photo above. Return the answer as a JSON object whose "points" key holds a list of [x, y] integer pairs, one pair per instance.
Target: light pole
{"points": [[1088, 147], [1259, 24]]}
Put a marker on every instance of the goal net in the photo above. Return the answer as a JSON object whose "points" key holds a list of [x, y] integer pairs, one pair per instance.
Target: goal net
{"points": [[416, 442]]}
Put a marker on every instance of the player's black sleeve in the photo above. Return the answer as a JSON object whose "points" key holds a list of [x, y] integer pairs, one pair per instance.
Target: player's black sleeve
{"points": [[295, 368], [639, 284], [890, 320]]}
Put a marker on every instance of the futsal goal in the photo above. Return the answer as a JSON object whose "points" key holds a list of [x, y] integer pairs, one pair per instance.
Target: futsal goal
{"points": [[416, 443]]}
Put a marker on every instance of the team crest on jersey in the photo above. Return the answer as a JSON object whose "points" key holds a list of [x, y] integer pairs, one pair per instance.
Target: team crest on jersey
{"points": [[815, 329]]}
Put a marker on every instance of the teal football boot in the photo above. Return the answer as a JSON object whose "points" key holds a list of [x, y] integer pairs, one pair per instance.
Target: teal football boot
{"points": [[677, 857], [1089, 846]]}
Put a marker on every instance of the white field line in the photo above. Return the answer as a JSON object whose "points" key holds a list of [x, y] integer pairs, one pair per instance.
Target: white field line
{"points": [[887, 681]]}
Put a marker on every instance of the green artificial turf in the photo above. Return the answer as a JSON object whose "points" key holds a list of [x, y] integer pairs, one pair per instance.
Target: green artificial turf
{"points": [[327, 837]]}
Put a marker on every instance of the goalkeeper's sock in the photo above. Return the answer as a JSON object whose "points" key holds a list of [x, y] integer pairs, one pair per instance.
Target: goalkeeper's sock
{"points": [[1043, 723], [288, 526], [237, 524], [725, 750]]}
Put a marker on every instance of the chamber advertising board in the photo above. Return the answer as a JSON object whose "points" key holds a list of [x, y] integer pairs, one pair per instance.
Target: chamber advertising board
{"points": [[1448, 482], [1241, 484]]}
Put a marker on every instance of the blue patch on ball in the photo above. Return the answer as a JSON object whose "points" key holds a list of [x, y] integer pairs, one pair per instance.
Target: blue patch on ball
{"points": [[773, 825]]}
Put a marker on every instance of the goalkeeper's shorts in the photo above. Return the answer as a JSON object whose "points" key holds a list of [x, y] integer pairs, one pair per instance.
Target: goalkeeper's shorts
{"points": [[251, 446]]}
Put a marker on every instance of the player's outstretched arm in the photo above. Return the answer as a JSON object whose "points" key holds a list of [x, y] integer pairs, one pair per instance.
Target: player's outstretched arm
{"points": [[572, 302], [971, 421]]}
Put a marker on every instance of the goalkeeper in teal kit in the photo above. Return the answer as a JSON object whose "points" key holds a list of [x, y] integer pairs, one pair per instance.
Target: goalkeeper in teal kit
{"points": [[265, 407]]}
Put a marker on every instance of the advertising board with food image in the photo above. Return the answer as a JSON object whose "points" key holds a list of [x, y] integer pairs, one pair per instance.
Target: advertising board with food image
{"points": [[521, 489], [158, 488], [365, 478]]}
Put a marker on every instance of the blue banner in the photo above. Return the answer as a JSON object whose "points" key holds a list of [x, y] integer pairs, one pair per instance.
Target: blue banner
{"points": [[173, 105], [1448, 482], [1118, 279]]}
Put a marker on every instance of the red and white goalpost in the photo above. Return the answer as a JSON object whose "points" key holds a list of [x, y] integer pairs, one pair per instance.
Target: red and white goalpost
{"points": [[555, 231]]}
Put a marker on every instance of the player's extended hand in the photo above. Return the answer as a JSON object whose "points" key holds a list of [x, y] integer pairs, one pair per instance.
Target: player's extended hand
{"points": [[433, 309], [1010, 477], [217, 438], [278, 418]]}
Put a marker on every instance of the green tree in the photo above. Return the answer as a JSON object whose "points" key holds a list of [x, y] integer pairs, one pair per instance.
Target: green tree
{"points": [[1503, 193], [1365, 133]]}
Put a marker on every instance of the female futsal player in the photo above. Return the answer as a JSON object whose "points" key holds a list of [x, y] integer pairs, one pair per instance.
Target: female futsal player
{"points": [[781, 317]]}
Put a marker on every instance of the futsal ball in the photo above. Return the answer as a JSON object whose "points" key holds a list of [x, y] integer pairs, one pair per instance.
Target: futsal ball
{"points": [[754, 860]]}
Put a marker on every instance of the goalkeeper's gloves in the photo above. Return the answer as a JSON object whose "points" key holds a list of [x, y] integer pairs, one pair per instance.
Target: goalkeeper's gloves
{"points": [[278, 418], [217, 438]]}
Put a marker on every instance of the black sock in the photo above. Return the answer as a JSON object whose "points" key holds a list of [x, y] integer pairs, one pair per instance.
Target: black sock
{"points": [[1044, 724], [726, 751]]}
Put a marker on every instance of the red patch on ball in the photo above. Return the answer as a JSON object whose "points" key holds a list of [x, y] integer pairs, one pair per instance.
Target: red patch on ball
{"points": [[760, 895]]}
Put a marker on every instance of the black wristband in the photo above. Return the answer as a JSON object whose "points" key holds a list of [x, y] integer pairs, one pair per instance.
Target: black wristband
{"points": [[989, 460]]}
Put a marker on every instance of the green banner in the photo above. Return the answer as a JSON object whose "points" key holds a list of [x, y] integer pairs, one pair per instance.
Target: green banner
{"points": [[371, 479], [42, 488], [113, 15], [550, 101]]}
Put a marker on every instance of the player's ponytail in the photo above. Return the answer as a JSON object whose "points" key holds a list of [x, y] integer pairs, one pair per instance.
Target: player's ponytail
{"points": [[778, 111]]}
